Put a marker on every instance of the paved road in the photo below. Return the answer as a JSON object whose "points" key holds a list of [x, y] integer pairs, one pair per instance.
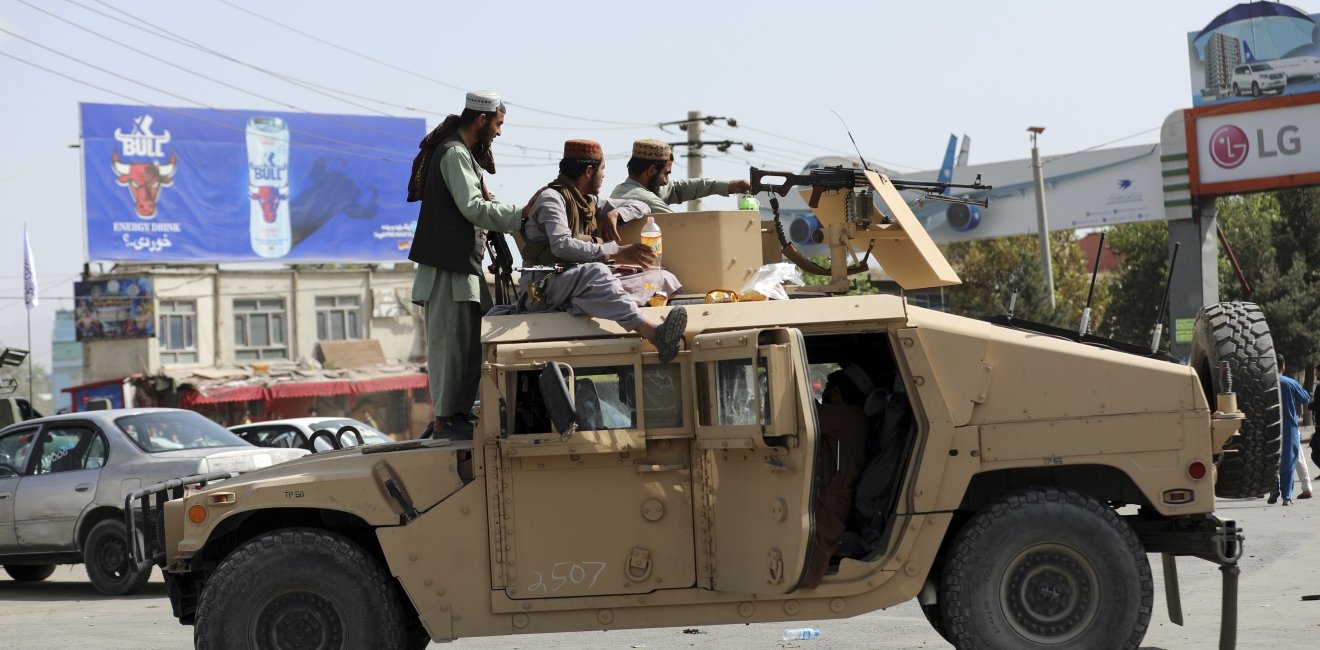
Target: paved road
{"points": [[1279, 567]]}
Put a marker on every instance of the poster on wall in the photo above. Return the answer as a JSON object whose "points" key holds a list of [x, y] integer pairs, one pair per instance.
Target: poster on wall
{"points": [[1252, 50], [120, 308], [204, 185]]}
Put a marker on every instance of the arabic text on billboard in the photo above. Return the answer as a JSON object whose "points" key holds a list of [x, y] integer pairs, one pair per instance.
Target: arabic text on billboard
{"points": [[1253, 50], [121, 308], [201, 185]]}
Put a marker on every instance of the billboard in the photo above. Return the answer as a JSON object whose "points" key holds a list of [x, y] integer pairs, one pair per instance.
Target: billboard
{"points": [[121, 308], [1264, 145], [202, 185], [1254, 50]]}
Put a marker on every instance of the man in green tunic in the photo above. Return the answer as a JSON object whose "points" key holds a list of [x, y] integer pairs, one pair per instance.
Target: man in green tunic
{"points": [[448, 246], [648, 180]]}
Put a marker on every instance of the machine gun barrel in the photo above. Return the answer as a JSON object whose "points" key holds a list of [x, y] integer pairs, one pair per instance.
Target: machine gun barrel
{"points": [[840, 178]]}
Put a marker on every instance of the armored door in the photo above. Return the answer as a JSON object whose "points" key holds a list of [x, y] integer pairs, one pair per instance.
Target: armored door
{"points": [[756, 452], [605, 509]]}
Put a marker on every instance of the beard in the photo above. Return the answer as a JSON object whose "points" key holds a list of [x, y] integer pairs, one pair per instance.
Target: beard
{"points": [[654, 185]]}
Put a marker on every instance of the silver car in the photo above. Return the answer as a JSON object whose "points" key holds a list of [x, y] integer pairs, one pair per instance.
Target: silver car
{"points": [[63, 480]]}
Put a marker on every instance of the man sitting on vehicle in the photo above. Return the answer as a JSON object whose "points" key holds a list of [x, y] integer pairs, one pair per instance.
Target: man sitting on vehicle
{"points": [[648, 180], [564, 233]]}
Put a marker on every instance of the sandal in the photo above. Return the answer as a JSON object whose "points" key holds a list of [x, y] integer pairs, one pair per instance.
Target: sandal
{"points": [[670, 333]]}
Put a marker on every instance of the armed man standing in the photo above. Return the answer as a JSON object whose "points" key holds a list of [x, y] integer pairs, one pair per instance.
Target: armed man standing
{"points": [[448, 246], [648, 180]]}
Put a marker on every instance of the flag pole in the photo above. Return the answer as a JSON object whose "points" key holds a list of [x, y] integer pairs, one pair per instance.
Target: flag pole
{"points": [[32, 388]]}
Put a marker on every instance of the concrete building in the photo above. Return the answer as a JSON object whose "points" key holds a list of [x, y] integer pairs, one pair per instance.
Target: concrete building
{"points": [[255, 344]]}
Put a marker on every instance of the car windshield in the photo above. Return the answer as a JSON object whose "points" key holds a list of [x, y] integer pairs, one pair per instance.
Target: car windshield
{"points": [[370, 435], [173, 430]]}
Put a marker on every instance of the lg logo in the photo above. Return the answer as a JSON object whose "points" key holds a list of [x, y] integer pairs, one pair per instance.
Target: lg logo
{"points": [[1230, 146]]}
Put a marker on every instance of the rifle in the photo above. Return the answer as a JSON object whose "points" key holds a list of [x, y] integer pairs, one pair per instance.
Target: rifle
{"points": [[850, 178], [501, 266]]}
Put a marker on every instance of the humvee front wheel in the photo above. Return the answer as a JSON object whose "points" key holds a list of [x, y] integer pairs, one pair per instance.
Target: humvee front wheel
{"points": [[1045, 568], [1236, 332], [300, 588]]}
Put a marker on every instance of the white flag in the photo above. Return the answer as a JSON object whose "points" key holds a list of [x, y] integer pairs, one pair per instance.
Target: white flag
{"points": [[29, 273]]}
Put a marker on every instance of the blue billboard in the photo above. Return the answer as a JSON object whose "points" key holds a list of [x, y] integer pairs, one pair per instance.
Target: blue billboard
{"points": [[202, 185]]}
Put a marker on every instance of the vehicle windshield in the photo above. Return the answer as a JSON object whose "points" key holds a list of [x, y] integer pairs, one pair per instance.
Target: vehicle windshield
{"points": [[173, 430], [370, 435]]}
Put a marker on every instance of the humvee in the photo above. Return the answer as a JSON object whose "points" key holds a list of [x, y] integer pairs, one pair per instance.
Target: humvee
{"points": [[1015, 482]]}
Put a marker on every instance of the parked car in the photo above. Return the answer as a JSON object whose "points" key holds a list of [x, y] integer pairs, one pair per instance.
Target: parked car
{"points": [[63, 479], [299, 433]]}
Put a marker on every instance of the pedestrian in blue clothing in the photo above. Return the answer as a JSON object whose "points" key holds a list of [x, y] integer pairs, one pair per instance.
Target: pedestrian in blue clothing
{"points": [[1291, 395]]}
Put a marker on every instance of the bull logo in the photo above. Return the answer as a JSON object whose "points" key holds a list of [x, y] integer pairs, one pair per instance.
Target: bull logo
{"points": [[269, 197], [143, 181]]}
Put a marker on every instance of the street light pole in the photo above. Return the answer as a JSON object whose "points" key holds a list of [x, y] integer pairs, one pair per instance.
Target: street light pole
{"points": [[1042, 221]]}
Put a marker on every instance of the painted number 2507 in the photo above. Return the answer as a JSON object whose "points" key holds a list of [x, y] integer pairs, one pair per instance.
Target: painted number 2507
{"points": [[568, 573]]}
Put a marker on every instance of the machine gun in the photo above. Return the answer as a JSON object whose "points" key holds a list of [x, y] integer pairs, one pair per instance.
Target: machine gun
{"points": [[851, 178], [858, 210]]}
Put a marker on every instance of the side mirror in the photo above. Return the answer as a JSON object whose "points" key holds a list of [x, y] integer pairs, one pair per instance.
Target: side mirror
{"points": [[554, 391]]}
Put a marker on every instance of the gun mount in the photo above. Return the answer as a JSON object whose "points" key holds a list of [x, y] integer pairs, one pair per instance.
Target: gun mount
{"points": [[859, 207]]}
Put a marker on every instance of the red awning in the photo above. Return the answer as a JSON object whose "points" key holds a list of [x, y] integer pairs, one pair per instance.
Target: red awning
{"points": [[392, 382], [309, 389], [218, 394]]}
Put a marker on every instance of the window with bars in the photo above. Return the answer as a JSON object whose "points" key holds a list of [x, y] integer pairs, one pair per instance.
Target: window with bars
{"points": [[337, 318], [259, 329], [177, 334]]}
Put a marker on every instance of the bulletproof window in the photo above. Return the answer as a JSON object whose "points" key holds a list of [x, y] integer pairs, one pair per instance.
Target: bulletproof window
{"points": [[739, 388]]}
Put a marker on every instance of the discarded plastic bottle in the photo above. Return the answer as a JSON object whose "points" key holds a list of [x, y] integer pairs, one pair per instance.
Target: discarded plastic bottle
{"points": [[651, 235], [801, 634]]}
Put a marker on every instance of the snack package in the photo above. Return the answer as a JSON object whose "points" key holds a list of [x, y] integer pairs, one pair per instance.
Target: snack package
{"points": [[767, 283]]}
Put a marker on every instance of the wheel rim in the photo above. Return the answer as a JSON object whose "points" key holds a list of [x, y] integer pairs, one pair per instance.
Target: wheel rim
{"points": [[112, 558], [297, 620], [1048, 593]]}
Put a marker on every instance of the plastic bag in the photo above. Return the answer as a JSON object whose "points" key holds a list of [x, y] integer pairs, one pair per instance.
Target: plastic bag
{"points": [[767, 283]]}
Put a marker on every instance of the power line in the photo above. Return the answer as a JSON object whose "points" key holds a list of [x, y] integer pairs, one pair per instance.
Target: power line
{"points": [[194, 117], [446, 84]]}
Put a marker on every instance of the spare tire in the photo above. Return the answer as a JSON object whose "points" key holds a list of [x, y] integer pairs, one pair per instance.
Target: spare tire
{"points": [[1236, 332]]}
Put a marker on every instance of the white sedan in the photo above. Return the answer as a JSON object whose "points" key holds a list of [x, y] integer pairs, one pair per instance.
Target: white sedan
{"points": [[300, 432]]}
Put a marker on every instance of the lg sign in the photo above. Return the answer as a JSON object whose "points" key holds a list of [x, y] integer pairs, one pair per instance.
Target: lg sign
{"points": [[1230, 147]]}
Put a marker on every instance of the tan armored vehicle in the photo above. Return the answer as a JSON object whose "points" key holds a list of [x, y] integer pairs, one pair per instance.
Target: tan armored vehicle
{"points": [[1014, 482]]}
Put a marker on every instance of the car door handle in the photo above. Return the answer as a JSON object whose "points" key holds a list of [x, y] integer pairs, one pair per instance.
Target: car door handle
{"points": [[4, 496], [82, 487]]}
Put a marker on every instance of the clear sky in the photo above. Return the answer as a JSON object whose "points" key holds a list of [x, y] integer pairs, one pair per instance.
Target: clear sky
{"points": [[903, 74]]}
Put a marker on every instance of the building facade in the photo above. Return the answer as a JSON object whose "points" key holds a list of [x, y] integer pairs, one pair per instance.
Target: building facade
{"points": [[257, 344]]}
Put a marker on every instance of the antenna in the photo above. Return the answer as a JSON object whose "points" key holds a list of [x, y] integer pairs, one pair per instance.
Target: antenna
{"points": [[1159, 318], [854, 140], [1085, 327]]}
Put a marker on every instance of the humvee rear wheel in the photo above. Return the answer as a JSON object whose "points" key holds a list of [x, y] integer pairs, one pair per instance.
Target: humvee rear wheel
{"points": [[1046, 568], [1236, 332], [300, 589]]}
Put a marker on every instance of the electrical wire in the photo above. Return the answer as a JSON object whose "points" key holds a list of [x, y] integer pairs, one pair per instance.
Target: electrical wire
{"points": [[196, 118], [267, 19]]}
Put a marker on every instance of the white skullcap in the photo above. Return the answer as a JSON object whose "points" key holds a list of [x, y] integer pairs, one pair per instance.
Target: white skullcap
{"points": [[486, 101]]}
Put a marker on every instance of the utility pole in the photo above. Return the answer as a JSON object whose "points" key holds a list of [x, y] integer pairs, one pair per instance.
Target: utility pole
{"points": [[694, 143], [694, 153], [1042, 221]]}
